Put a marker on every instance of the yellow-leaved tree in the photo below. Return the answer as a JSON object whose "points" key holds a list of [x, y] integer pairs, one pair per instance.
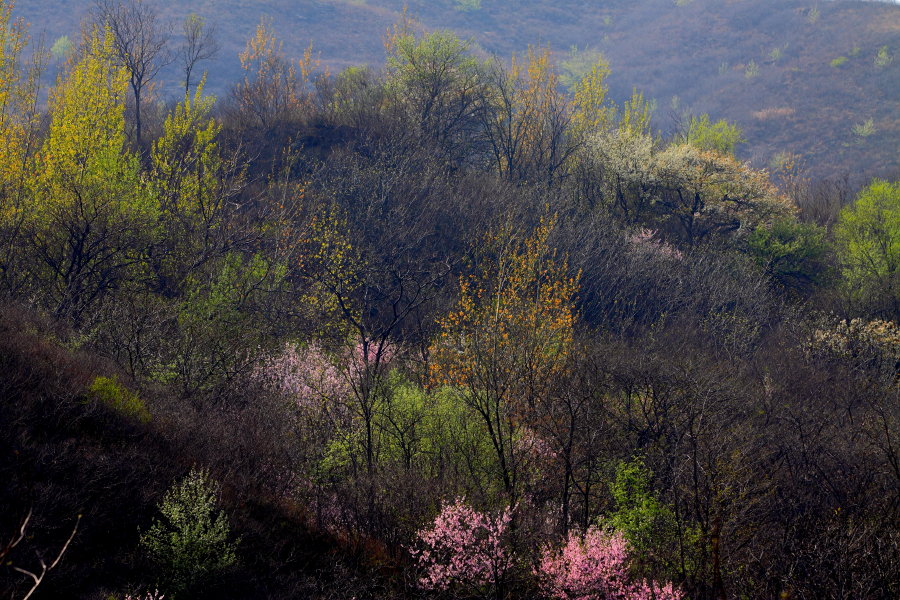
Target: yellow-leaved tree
{"points": [[192, 184], [527, 119], [89, 216], [275, 89], [508, 339], [18, 124], [590, 110]]}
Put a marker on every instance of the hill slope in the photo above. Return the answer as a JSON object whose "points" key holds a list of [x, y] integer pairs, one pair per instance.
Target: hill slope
{"points": [[798, 76]]}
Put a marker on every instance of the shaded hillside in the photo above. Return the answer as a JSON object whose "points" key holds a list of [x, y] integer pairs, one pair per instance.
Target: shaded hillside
{"points": [[797, 76], [65, 456]]}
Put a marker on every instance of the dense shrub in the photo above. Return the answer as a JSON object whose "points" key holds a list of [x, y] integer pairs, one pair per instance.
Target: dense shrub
{"points": [[110, 392], [191, 540]]}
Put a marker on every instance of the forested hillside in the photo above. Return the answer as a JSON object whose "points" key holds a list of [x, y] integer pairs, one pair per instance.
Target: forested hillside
{"points": [[458, 327], [808, 81]]}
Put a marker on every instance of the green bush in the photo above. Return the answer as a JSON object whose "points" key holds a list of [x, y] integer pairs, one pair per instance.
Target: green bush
{"points": [[864, 129], [638, 513], [189, 542], [110, 392], [751, 70], [647, 523], [777, 53], [720, 136], [794, 254], [883, 57], [837, 62], [868, 244], [468, 5]]}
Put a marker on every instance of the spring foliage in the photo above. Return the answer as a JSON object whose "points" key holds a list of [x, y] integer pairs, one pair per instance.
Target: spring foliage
{"points": [[17, 96], [89, 213], [508, 339], [110, 392], [302, 316], [868, 238], [191, 538], [514, 319]]}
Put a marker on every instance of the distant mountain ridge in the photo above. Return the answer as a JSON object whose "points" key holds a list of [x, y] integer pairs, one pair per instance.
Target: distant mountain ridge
{"points": [[815, 80]]}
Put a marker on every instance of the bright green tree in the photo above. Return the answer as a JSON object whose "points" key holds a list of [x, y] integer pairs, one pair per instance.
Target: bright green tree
{"points": [[439, 84], [638, 513], [650, 526], [720, 136], [792, 253], [191, 539], [868, 241], [192, 185]]}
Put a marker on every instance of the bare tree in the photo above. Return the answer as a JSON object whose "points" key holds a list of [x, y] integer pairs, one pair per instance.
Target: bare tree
{"points": [[37, 576], [140, 40], [200, 43]]}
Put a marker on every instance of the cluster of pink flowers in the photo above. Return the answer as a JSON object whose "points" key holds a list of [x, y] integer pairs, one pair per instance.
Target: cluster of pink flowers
{"points": [[533, 445], [366, 362], [368, 353], [645, 239], [155, 595], [463, 546], [303, 373], [595, 567], [310, 376]]}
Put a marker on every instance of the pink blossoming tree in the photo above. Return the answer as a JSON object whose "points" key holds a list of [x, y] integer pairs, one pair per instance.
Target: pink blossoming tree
{"points": [[466, 549], [595, 567], [303, 373], [155, 595], [646, 241]]}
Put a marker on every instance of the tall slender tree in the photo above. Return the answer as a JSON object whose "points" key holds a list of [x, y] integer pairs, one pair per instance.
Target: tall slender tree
{"points": [[508, 339], [200, 43], [140, 39]]}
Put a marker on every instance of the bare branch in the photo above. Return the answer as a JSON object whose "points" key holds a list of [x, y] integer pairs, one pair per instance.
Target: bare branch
{"points": [[37, 578], [16, 539], [200, 43], [140, 40]]}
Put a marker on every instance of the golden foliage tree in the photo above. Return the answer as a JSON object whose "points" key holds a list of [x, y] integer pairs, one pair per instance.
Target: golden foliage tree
{"points": [[88, 211], [17, 97], [18, 123], [274, 87], [508, 338]]}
